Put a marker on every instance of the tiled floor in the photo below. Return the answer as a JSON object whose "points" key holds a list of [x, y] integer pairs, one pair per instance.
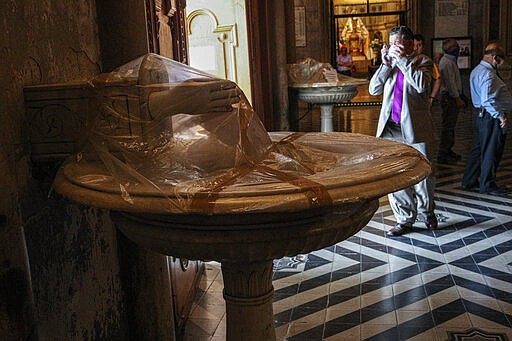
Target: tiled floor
{"points": [[451, 284]]}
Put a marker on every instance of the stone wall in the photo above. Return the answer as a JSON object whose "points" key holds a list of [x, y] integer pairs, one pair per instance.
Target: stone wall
{"points": [[318, 36], [45, 42]]}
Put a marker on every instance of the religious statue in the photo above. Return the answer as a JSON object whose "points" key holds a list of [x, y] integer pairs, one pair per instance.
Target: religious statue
{"points": [[354, 34]]}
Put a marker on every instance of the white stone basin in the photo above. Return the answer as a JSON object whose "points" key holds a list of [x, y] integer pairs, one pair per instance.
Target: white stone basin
{"points": [[237, 228], [327, 95]]}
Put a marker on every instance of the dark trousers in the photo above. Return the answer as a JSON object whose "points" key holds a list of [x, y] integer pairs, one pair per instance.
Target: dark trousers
{"points": [[346, 72], [448, 122], [485, 154]]}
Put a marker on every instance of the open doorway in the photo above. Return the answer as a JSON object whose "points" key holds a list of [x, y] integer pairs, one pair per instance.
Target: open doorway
{"points": [[243, 32], [362, 27], [217, 40]]}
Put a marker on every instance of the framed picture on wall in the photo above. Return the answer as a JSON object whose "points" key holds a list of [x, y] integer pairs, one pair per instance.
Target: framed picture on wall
{"points": [[464, 60]]}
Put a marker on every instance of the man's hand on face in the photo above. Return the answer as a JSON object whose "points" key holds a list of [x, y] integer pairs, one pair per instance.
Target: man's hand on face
{"points": [[386, 58], [400, 47], [396, 51]]}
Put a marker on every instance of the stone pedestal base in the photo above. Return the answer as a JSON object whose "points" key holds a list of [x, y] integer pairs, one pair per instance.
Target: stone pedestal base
{"points": [[326, 117], [248, 292]]}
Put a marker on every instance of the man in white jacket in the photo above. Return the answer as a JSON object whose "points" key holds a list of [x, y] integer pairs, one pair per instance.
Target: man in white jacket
{"points": [[404, 81]]}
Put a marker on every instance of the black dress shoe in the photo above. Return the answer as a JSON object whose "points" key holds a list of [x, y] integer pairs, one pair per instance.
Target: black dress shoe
{"points": [[446, 160], [399, 230], [497, 191], [431, 223], [454, 155], [471, 188]]}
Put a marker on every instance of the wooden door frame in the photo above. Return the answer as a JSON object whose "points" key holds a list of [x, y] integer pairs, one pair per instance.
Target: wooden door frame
{"points": [[260, 59], [178, 30]]}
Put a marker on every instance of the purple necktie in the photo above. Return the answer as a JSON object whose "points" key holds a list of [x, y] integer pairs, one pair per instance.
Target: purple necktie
{"points": [[398, 94]]}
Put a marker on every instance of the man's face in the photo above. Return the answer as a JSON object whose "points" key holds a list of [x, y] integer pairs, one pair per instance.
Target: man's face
{"points": [[454, 46], [408, 44], [500, 57], [497, 57], [418, 46]]}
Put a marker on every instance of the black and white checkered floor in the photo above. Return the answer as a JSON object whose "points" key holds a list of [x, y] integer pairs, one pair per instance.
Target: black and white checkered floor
{"points": [[451, 284]]}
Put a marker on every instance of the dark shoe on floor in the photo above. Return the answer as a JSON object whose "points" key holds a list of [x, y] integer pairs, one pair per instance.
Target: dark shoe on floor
{"points": [[446, 160], [497, 191], [454, 155], [431, 223], [473, 188], [399, 230]]}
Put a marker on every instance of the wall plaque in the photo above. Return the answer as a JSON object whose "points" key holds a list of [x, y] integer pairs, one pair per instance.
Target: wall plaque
{"points": [[300, 26], [451, 18]]}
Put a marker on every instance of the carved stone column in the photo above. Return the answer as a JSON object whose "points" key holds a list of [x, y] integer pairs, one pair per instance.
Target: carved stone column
{"points": [[248, 292]]}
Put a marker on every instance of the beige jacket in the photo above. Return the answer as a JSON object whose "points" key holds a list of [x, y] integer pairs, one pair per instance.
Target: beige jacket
{"points": [[416, 120]]}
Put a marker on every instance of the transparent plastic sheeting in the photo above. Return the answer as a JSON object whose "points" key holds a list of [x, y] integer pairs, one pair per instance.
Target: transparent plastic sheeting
{"points": [[309, 71], [161, 129]]}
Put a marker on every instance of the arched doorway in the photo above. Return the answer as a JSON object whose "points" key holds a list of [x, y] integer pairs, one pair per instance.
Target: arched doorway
{"points": [[217, 40]]}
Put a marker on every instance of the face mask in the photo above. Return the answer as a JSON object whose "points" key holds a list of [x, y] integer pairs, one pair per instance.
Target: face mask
{"points": [[454, 53], [497, 62]]}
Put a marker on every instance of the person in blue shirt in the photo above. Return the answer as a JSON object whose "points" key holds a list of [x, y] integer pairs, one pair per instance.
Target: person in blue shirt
{"points": [[493, 101]]}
